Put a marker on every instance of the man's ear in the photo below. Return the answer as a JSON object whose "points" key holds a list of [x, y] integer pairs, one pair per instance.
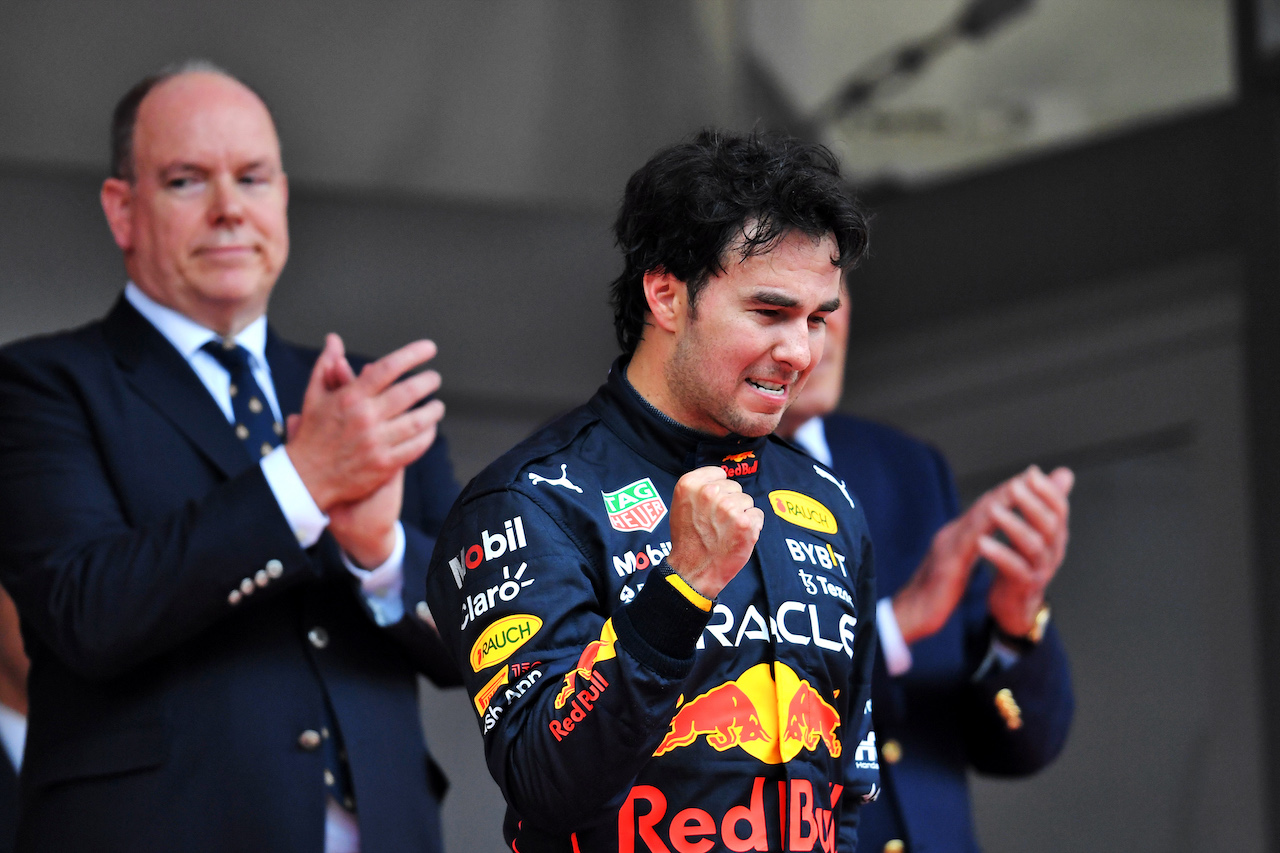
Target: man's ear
{"points": [[668, 299], [117, 203]]}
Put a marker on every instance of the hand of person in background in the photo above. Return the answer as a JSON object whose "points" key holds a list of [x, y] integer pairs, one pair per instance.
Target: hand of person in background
{"points": [[1035, 522], [714, 529], [1031, 510], [349, 440], [13, 658], [368, 422]]}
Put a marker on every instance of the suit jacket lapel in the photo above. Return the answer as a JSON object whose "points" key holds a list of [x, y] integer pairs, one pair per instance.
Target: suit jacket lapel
{"points": [[163, 378], [290, 372]]}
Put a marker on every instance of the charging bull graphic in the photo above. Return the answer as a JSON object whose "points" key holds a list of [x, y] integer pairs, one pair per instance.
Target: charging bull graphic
{"points": [[746, 713], [597, 651], [725, 714], [810, 719]]}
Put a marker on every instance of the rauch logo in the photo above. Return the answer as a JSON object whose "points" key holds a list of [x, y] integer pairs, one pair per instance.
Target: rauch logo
{"points": [[802, 510], [500, 640]]}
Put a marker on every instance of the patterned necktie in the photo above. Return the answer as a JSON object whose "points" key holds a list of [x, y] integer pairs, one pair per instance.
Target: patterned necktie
{"points": [[256, 425]]}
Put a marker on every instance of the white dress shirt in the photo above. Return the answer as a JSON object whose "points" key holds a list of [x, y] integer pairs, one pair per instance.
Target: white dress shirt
{"points": [[381, 585], [13, 734]]}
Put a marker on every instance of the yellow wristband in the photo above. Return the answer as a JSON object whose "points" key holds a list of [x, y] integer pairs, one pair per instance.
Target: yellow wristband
{"points": [[696, 598]]}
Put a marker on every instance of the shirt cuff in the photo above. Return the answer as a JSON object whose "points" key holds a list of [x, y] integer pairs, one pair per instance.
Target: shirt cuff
{"points": [[300, 510], [897, 657], [381, 586]]}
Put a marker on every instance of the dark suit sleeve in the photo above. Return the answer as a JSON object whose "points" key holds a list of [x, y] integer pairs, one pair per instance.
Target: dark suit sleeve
{"points": [[102, 592], [430, 490], [1040, 682]]}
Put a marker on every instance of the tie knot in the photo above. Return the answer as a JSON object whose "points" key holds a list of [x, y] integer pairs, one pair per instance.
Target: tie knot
{"points": [[233, 357]]}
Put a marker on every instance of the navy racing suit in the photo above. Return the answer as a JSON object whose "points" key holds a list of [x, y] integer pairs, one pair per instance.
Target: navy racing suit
{"points": [[619, 709]]}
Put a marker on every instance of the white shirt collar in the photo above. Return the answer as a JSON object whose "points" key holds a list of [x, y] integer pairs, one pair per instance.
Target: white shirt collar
{"points": [[811, 436], [188, 336]]}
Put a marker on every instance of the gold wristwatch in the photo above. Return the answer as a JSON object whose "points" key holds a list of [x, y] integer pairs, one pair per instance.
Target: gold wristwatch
{"points": [[1039, 625]]}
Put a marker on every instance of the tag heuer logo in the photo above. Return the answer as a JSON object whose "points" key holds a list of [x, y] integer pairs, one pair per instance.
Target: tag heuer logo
{"points": [[635, 507]]}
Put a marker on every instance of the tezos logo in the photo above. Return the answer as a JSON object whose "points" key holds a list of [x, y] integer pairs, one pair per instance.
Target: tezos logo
{"points": [[501, 639], [635, 507], [802, 510], [492, 547]]}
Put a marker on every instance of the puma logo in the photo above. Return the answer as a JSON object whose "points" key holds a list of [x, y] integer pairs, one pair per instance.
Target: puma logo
{"points": [[562, 481], [826, 476]]}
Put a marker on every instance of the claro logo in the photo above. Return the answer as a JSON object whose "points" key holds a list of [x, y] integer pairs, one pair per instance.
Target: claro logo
{"points": [[802, 510], [500, 640]]}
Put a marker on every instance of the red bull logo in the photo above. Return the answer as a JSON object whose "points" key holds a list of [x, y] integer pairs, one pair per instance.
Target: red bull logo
{"points": [[725, 714], [745, 713], [738, 465], [596, 652], [811, 719], [791, 819]]}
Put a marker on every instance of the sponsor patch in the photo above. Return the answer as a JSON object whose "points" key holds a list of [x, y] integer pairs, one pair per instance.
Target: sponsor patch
{"points": [[648, 820], [740, 464], [485, 696], [500, 640], [596, 652], [771, 721], [802, 510], [520, 677], [635, 507], [509, 538], [818, 555], [637, 561], [794, 623], [475, 606]]}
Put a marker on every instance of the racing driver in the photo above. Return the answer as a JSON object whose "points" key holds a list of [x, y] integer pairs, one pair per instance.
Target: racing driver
{"points": [[664, 614]]}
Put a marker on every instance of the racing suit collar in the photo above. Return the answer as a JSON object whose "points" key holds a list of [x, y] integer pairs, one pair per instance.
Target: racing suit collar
{"points": [[651, 433]]}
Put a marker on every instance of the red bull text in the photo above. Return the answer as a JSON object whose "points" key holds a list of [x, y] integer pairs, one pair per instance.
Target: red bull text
{"points": [[792, 820]]}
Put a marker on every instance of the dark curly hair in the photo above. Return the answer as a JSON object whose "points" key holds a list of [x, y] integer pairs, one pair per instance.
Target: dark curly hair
{"points": [[692, 204]]}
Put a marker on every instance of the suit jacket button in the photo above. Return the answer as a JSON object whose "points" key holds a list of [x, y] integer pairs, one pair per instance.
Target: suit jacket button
{"points": [[275, 568], [260, 577], [895, 846], [891, 751], [246, 586], [309, 739], [319, 637]]}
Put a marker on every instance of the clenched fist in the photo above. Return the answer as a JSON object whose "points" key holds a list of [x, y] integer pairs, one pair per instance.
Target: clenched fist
{"points": [[714, 528]]}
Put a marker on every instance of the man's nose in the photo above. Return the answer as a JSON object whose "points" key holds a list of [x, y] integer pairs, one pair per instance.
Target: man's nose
{"points": [[796, 346], [225, 206]]}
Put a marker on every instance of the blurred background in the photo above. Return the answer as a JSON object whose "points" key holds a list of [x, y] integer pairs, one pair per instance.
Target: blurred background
{"points": [[1074, 260]]}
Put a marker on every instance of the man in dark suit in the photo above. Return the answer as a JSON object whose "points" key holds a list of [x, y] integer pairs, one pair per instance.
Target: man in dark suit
{"points": [[971, 673], [224, 630]]}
